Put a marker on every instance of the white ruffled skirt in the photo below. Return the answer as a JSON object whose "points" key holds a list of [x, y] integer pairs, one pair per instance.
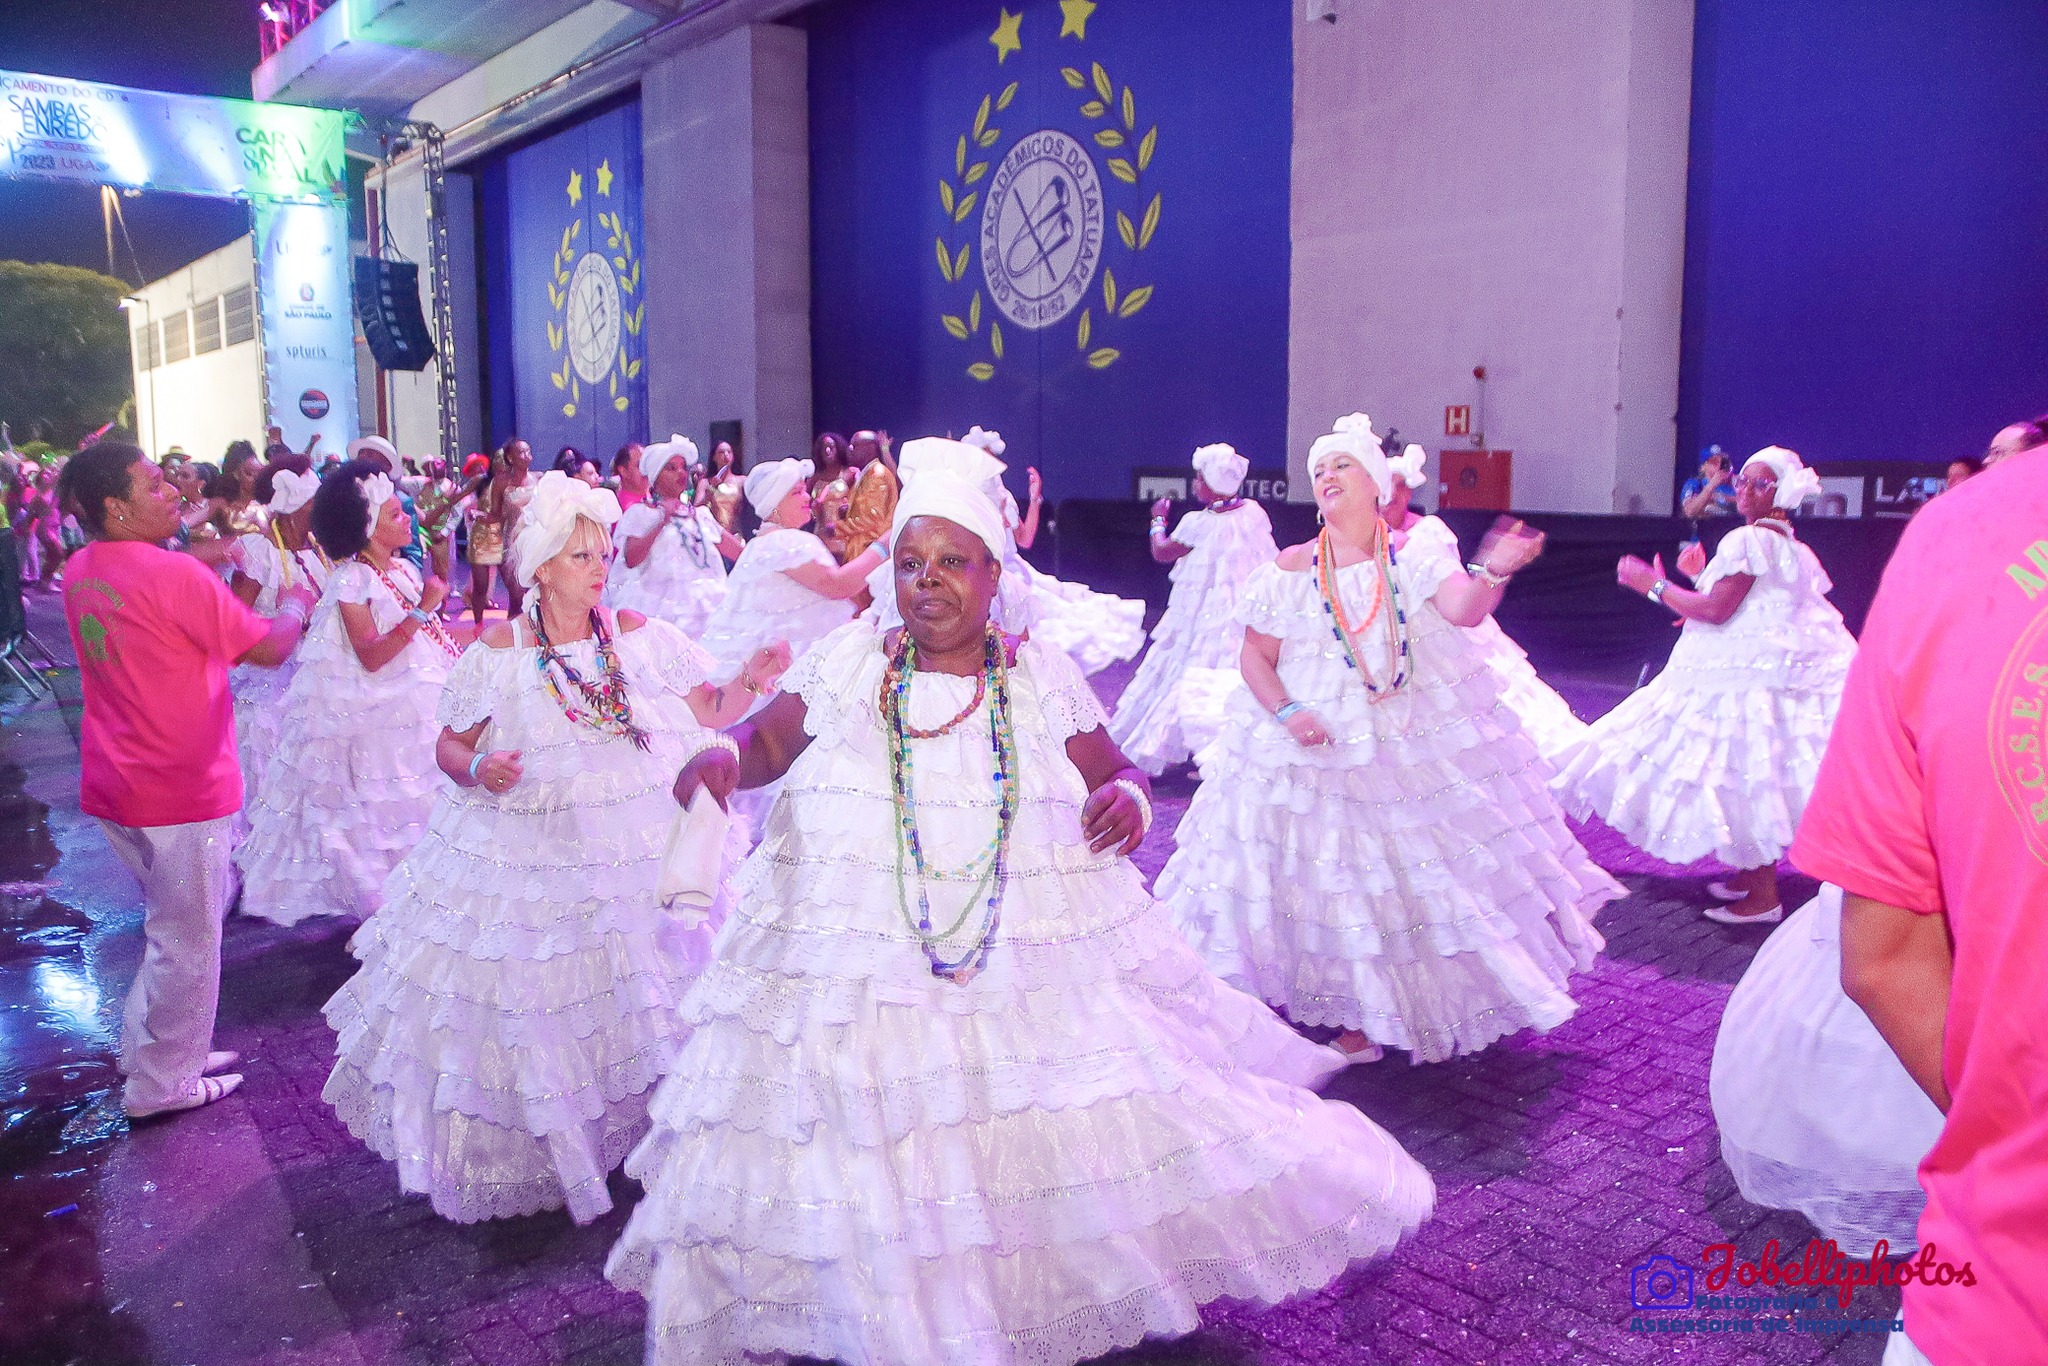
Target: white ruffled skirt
{"points": [[259, 720], [1816, 1112]]}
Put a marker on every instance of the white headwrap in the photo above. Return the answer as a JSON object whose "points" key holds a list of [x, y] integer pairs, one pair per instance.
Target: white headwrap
{"points": [[992, 442], [1796, 483], [1222, 468], [377, 491], [768, 484], [290, 490], [655, 458], [969, 460], [1407, 466], [944, 493], [550, 520], [374, 443], [1353, 435]]}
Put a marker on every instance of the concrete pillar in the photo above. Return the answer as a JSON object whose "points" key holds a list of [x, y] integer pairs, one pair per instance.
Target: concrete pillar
{"points": [[1480, 182], [725, 146]]}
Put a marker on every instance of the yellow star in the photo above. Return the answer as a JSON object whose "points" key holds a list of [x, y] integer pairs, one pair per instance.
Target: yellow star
{"points": [[575, 187], [1005, 37], [1074, 18], [604, 176]]}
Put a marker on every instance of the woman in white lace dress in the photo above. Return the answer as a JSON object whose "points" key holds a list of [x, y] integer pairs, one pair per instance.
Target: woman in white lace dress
{"points": [[671, 552], [1374, 845], [348, 791], [954, 1091], [518, 991], [785, 586], [1816, 1112], [1174, 704], [1544, 715], [1718, 755], [266, 564]]}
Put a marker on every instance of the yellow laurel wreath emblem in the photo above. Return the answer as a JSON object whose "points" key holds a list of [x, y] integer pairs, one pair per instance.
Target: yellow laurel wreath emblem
{"points": [[626, 271], [958, 201]]}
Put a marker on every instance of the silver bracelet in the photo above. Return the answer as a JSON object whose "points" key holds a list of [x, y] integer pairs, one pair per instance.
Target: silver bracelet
{"points": [[716, 740], [1490, 577], [1136, 794], [1656, 593]]}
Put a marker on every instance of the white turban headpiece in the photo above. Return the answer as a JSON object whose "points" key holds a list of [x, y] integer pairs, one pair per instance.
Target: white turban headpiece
{"points": [[376, 444], [1407, 466], [967, 460], [377, 491], [290, 490], [1796, 483], [550, 520], [1222, 468], [944, 493], [655, 458], [992, 442], [1353, 435], [768, 484]]}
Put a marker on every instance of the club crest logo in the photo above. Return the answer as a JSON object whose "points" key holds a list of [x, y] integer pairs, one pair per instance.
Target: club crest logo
{"points": [[1047, 201], [597, 324], [2019, 734]]}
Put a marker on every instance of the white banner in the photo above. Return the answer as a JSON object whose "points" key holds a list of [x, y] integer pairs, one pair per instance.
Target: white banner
{"points": [[309, 351]]}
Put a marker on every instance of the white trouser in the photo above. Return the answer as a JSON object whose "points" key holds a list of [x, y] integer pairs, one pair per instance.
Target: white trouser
{"points": [[188, 879], [1900, 1351]]}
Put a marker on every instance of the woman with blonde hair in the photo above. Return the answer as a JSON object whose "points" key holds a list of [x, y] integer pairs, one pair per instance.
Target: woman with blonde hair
{"points": [[517, 999]]}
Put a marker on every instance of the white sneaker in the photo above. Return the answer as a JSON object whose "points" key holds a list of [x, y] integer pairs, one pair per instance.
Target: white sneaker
{"points": [[1725, 916]]}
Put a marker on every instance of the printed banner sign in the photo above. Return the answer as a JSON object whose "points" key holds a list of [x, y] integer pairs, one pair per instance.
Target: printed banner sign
{"points": [[52, 128], [304, 301], [566, 293]]}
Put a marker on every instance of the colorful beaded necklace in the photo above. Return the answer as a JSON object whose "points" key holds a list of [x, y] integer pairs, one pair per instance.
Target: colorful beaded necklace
{"points": [[432, 627], [989, 868], [1340, 625], [691, 535], [609, 711]]}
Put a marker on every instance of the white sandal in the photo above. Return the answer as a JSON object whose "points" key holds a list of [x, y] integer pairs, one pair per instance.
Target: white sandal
{"points": [[1722, 891], [1723, 915], [209, 1090]]}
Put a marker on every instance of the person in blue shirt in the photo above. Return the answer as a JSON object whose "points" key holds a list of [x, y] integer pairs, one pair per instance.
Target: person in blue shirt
{"points": [[1711, 492]]}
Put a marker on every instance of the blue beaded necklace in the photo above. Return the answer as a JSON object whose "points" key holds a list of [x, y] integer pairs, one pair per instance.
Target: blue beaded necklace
{"points": [[991, 865], [1333, 609]]}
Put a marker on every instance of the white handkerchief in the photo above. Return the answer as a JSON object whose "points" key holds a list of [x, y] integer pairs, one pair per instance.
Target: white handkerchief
{"points": [[691, 868]]}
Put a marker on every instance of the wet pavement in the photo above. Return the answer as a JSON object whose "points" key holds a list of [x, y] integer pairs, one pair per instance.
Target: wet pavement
{"points": [[257, 1231]]}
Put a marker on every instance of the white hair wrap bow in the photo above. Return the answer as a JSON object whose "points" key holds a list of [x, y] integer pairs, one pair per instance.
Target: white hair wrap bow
{"points": [[1407, 466], [377, 491], [1796, 480], [1353, 435], [992, 442], [550, 520], [655, 458], [1221, 468], [290, 490]]}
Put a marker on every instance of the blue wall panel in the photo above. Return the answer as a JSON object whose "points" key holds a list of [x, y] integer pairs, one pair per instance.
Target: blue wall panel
{"points": [[896, 97], [1867, 237]]}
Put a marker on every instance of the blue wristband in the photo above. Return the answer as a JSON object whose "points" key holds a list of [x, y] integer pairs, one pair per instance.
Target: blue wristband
{"points": [[474, 763], [419, 614], [1288, 709]]}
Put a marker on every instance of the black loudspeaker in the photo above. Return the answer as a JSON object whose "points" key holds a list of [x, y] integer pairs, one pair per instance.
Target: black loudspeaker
{"points": [[388, 303]]}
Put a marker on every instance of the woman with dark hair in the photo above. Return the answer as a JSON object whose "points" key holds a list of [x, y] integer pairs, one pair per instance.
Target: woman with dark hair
{"points": [[267, 563], [348, 791], [1962, 469], [721, 489], [992, 1115], [237, 510], [517, 999], [156, 633], [499, 504], [627, 481]]}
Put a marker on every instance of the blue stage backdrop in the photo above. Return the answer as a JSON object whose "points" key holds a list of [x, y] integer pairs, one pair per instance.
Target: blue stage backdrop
{"points": [[1064, 219], [1867, 228], [563, 288]]}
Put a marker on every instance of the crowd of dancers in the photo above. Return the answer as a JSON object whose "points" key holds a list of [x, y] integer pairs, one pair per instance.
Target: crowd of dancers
{"points": [[791, 871]]}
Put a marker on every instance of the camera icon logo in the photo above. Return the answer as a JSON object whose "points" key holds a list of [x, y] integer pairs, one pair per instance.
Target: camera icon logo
{"points": [[1661, 1283]]}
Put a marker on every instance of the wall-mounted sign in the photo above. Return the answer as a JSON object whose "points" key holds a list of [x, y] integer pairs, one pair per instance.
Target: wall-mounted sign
{"points": [[52, 128], [1458, 420], [303, 292]]}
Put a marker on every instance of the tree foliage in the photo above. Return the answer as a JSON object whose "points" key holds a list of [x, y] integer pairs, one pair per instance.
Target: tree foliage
{"points": [[64, 361]]}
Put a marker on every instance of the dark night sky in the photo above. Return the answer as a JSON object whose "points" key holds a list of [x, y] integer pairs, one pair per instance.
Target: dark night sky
{"points": [[199, 47]]}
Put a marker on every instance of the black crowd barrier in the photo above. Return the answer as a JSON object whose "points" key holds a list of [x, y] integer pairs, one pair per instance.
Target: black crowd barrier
{"points": [[1565, 610]]}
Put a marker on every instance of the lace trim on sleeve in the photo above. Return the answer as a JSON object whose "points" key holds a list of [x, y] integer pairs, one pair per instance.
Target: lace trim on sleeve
{"points": [[1069, 706], [835, 679], [679, 662], [351, 582], [471, 693], [1189, 529], [1746, 550], [1263, 605]]}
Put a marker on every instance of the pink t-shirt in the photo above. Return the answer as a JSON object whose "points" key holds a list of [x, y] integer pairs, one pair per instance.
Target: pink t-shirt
{"points": [[1934, 796], [155, 632]]}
